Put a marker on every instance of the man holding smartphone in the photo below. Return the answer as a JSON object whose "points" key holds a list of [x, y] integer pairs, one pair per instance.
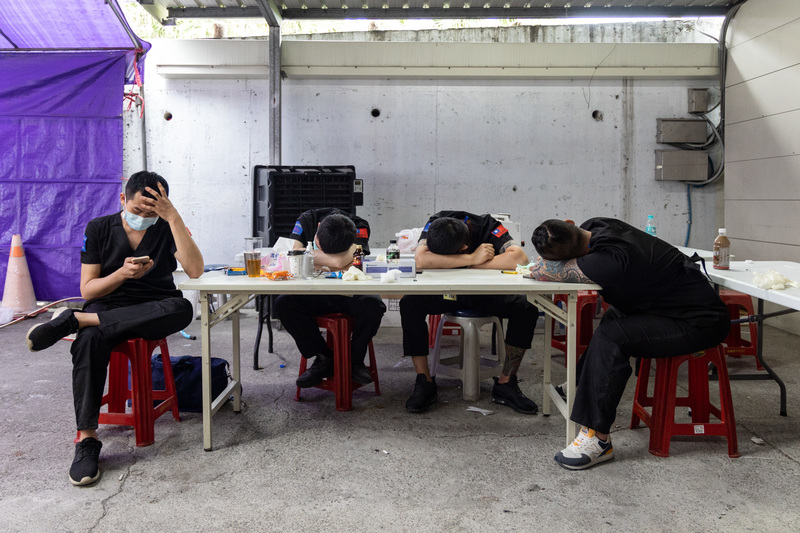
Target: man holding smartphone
{"points": [[127, 261]]}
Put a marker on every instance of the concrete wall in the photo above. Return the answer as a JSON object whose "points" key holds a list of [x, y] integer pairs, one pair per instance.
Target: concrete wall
{"points": [[529, 148], [762, 158]]}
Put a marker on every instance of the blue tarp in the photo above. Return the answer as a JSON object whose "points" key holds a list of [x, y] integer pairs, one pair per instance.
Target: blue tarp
{"points": [[63, 66]]}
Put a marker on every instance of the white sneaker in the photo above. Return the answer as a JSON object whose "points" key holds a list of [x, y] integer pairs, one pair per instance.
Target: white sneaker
{"points": [[585, 451]]}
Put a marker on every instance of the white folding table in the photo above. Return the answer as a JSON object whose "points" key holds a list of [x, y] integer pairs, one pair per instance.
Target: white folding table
{"points": [[458, 281], [740, 278]]}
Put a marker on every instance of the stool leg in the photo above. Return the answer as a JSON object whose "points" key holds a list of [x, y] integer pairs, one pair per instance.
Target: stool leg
{"points": [[342, 366], [373, 368], [663, 416], [433, 329], [726, 405], [117, 382], [699, 399], [142, 396], [471, 362], [169, 379], [640, 394], [437, 346]]}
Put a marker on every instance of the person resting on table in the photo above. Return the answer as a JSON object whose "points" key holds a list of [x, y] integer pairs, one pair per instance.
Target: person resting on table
{"points": [[662, 305], [125, 299], [457, 239], [335, 235]]}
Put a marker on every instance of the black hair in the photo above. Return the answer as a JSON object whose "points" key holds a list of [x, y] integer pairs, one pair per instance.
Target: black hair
{"points": [[447, 236], [138, 181], [336, 233], [556, 240]]}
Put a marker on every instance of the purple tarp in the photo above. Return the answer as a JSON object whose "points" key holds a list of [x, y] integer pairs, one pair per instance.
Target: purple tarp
{"points": [[63, 68], [68, 25]]}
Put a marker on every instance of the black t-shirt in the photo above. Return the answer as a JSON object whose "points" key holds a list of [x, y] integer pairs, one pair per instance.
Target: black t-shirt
{"points": [[105, 243], [482, 229], [306, 226], [640, 273]]}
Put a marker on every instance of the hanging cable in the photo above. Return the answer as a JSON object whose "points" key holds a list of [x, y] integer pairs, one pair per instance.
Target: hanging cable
{"points": [[39, 311]]}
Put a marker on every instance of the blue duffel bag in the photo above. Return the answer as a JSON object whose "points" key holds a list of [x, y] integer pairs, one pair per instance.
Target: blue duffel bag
{"points": [[188, 374]]}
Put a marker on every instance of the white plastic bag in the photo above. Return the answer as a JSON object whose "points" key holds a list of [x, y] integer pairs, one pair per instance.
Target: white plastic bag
{"points": [[407, 240]]}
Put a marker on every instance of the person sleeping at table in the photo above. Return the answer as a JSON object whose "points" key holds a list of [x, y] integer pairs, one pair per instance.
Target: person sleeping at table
{"points": [[335, 235], [661, 306], [458, 239]]}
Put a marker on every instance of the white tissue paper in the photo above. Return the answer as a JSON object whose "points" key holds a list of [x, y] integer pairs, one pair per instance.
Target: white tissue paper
{"points": [[283, 244], [354, 274], [390, 276], [774, 280]]}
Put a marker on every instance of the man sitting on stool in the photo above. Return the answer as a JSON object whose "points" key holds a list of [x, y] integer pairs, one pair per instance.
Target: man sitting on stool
{"points": [[335, 235], [457, 239], [661, 306], [125, 299]]}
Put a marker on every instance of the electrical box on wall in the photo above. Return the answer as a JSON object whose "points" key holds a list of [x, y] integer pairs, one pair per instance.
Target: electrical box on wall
{"points": [[698, 101], [681, 130], [681, 165]]}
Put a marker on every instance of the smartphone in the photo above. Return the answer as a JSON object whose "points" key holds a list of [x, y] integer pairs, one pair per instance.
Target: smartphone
{"points": [[140, 260]]}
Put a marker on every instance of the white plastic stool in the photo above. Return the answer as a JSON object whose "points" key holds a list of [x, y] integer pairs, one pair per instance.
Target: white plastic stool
{"points": [[468, 366]]}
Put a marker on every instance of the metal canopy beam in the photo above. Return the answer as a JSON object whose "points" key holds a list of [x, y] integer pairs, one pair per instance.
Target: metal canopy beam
{"points": [[270, 12], [442, 13]]}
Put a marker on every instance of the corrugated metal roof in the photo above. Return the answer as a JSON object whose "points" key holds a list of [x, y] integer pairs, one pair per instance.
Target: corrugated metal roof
{"points": [[407, 9]]}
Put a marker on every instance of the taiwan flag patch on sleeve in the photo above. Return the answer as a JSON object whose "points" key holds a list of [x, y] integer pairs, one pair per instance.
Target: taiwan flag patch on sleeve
{"points": [[499, 231], [298, 229], [363, 233]]}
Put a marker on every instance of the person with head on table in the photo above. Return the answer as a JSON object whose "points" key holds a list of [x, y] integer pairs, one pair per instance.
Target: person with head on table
{"points": [[127, 261], [334, 235], [457, 239], [662, 305]]}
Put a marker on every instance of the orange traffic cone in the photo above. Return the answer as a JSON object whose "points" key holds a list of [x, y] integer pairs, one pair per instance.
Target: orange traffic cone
{"points": [[18, 291]]}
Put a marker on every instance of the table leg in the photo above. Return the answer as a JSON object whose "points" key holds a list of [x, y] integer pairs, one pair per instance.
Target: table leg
{"points": [[235, 362], [548, 344], [572, 359], [760, 356], [205, 335]]}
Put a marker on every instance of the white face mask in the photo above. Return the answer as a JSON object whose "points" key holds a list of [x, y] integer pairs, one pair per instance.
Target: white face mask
{"points": [[137, 222]]}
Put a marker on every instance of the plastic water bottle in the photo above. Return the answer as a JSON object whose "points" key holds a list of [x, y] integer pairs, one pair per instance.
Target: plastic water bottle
{"points": [[392, 252], [308, 261], [650, 227]]}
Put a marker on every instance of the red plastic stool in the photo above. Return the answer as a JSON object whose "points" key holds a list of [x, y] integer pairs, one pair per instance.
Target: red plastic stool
{"points": [[141, 394], [586, 311], [661, 418], [449, 328], [734, 344], [339, 330]]}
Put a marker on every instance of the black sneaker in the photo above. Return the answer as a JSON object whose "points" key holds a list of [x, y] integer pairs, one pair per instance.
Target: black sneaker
{"points": [[321, 368], [360, 374], [45, 335], [508, 394], [561, 392], [425, 394], [84, 469]]}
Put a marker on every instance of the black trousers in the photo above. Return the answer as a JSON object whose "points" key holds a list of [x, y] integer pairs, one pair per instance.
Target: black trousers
{"points": [[91, 350], [605, 367], [414, 310], [298, 315]]}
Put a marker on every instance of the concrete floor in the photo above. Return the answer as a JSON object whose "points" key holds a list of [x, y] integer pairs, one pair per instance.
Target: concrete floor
{"points": [[283, 465]]}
